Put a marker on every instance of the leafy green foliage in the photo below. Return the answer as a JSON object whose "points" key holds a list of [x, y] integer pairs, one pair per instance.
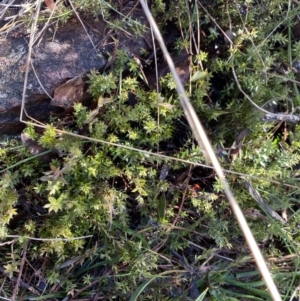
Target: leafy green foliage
{"points": [[152, 235], [8, 198]]}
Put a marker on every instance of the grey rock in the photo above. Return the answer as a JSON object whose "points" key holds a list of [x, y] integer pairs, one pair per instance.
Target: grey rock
{"points": [[62, 57], [60, 54]]}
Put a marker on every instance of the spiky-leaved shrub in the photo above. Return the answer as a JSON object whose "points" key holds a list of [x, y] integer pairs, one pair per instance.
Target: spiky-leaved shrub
{"points": [[153, 226]]}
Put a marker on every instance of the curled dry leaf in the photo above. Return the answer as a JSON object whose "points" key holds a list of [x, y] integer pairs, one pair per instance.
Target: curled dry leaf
{"points": [[242, 135], [254, 214], [50, 4], [182, 65], [92, 115], [32, 145], [261, 202], [164, 172], [68, 93], [34, 148]]}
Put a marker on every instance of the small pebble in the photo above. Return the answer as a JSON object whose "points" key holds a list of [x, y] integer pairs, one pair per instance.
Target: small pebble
{"points": [[229, 37], [296, 66]]}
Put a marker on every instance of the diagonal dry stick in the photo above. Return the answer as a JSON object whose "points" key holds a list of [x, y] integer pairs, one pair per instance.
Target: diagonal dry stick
{"points": [[203, 141]]}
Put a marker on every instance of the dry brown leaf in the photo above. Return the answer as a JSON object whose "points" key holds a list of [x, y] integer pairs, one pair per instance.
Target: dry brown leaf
{"points": [[50, 4], [261, 202], [182, 65], [34, 148], [32, 145], [68, 93]]}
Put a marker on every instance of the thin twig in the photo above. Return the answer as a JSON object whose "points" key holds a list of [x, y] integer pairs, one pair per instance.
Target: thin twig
{"points": [[22, 283], [49, 239], [16, 288], [154, 154], [28, 63], [203, 141], [182, 199], [269, 116], [8, 242], [89, 37]]}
